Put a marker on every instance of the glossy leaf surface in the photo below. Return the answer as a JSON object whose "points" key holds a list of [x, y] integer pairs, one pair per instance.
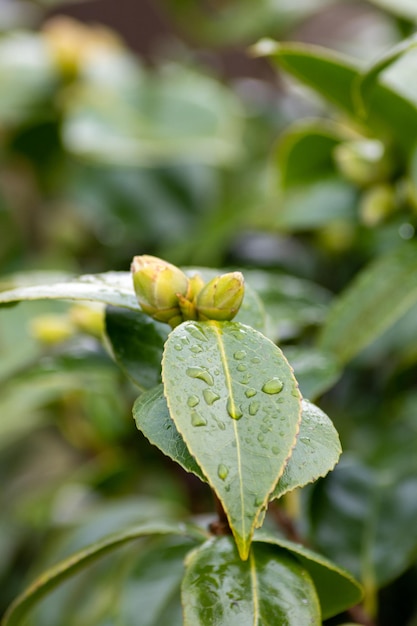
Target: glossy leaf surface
{"points": [[64, 570], [152, 418], [235, 401], [137, 342], [336, 588], [113, 288], [315, 454], [268, 589], [378, 296]]}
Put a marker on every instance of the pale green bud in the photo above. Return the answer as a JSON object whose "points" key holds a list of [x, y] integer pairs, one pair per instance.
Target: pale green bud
{"points": [[363, 162], [377, 204], [221, 298], [158, 287]]}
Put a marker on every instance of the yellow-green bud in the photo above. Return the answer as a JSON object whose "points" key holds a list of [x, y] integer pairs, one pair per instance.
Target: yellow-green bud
{"points": [[377, 204], [158, 286], [52, 329], [363, 162], [221, 298]]}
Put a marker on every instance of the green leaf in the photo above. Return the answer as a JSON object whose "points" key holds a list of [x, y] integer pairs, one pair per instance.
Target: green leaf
{"points": [[137, 343], [376, 298], [316, 451], [315, 454], [329, 73], [336, 78], [235, 401], [363, 517], [50, 579], [369, 79], [270, 588], [316, 204], [315, 370], [336, 588], [115, 288], [305, 151], [292, 303], [152, 418]]}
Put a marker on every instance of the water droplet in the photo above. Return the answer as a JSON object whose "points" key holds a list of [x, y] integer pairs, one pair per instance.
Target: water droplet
{"points": [[222, 471], [196, 349], [275, 450], [233, 409], [265, 428], [272, 386], [210, 397], [241, 367], [261, 438], [295, 392], [239, 355], [259, 501], [227, 488], [256, 359], [178, 347], [305, 439], [197, 333], [193, 401], [197, 419], [254, 407], [246, 378], [249, 393], [201, 373]]}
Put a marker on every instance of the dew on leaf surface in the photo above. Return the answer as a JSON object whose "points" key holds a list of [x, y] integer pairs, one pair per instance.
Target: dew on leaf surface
{"points": [[222, 471], [201, 373], [210, 397], [233, 409], [197, 419], [272, 386], [193, 401], [249, 393]]}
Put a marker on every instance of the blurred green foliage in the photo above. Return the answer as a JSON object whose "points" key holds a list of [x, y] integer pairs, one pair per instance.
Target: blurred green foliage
{"points": [[308, 182]]}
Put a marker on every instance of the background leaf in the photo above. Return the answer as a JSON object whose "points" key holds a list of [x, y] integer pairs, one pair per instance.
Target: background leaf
{"points": [[60, 572], [271, 587], [377, 297], [238, 410]]}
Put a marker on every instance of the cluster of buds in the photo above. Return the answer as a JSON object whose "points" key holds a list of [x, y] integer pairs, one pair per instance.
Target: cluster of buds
{"points": [[166, 294]]}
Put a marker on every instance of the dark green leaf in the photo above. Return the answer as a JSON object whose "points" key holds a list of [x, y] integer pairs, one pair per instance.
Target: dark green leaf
{"points": [[154, 421], [364, 518], [378, 296], [305, 151], [314, 370], [137, 343], [336, 588], [268, 589], [233, 398], [315, 454], [50, 579]]}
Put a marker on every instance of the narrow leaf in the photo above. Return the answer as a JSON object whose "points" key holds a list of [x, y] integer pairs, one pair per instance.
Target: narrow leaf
{"points": [[336, 588], [376, 299], [50, 579], [115, 288], [315, 454], [152, 418], [305, 151], [137, 342], [270, 588], [235, 401]]}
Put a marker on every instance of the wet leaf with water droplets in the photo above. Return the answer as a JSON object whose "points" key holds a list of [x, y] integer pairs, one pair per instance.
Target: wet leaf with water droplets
{"points": [[315, 454], [252, 437], [271, 587]]}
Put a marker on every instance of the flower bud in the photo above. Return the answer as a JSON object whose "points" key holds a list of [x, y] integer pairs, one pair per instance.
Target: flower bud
{"points": [[158, 286], [221, 298], [363, 162]]}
